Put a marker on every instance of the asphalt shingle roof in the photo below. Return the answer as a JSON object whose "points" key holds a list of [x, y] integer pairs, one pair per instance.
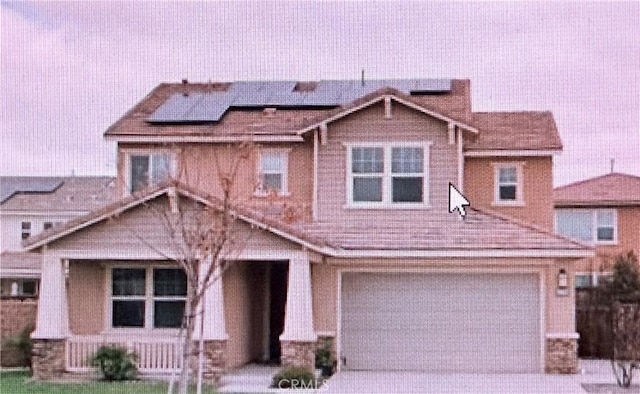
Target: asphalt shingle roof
{"points": [[56, 194], [607, 190]]}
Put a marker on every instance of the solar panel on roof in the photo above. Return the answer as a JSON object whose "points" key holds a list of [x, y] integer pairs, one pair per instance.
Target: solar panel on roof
{"points": [[210, 107]]}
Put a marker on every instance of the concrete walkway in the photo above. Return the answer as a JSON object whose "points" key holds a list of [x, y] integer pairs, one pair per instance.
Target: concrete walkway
{"points": [[257, 378]]}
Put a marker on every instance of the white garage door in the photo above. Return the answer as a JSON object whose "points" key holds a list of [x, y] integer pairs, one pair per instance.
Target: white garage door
{"points": [[479, 323]]}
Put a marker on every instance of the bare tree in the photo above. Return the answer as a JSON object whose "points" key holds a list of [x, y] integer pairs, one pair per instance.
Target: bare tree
{"points": [[202, 241]]}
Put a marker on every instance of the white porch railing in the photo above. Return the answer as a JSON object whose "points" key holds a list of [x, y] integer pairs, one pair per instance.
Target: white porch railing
{"points": [[154, 355]]}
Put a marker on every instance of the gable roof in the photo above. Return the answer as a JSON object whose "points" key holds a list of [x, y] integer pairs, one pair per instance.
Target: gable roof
{"points": [[55, 194], [376, 97], [252, 217], [513, 131], [20, 265], [613, 189], [481, 234]]}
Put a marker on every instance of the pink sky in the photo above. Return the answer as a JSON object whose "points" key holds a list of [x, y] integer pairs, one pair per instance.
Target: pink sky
{"points": [[69, 70]]}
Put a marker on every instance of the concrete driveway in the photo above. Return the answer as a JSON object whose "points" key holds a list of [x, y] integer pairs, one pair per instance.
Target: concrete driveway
{"points": [[418, 382], [596, 372]]}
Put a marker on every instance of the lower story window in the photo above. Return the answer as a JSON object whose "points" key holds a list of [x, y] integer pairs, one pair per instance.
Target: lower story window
{"points": [[148, 297]]}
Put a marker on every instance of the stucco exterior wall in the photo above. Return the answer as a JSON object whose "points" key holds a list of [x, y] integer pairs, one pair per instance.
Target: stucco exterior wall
{"points": [[323, 281], [237, 314], [200, 166], [480, 184], [86, 294]]}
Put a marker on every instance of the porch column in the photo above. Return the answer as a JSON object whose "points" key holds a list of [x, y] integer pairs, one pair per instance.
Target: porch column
{"points": [[298, 340], [52, 321], [214, 332]]}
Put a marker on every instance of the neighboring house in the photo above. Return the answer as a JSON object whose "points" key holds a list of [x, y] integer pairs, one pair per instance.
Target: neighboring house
{"points": [[604, 212], [346, 234], [29, 205]]}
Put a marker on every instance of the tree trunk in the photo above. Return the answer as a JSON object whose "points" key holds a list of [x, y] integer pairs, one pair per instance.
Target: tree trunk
{"points": [[188, 350]]}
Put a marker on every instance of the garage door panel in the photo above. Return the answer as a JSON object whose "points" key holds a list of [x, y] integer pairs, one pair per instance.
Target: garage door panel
{"points": [[441, 322]]}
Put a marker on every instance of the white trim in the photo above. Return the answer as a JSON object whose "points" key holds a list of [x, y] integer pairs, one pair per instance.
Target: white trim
{"points": [[387, 176], [48, 214], [314, 198], [283, 155], [460, 162], [171, 154], [540, 272], [205, 139], [457, 253], [375, 100], [563, 335], [148, 297], [513, 153], [519, 184]]}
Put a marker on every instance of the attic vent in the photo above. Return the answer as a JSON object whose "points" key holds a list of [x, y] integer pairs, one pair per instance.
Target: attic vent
{"points": [[305, 87]]}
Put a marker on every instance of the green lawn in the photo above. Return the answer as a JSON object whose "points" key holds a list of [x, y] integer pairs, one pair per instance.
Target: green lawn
{"points": [[21, 383]]}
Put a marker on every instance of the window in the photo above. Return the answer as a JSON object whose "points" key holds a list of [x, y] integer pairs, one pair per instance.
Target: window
{"points": [[47, 225], [147, 297], [26, 230], [583, 281], [391, 175], [588, 225], [272, 172], [508, 184], [19, 287], [148, 170]]}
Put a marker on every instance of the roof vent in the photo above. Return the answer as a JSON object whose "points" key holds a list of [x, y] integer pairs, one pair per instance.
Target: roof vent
{"points": [[185, 81]]}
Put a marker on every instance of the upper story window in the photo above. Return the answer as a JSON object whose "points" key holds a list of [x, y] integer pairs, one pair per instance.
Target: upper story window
{"points": [[148, 169], [508, 184], [273, 172], [147, 297], [388, 175], [25, 228], [588, 225]]}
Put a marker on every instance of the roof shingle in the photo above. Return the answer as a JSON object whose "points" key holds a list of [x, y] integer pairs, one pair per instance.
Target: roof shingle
{"points": [[613, 189]]}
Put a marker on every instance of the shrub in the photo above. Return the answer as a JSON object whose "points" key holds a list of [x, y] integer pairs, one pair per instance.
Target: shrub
{"points": [[23, 344], [294, 378], [115, 363]]}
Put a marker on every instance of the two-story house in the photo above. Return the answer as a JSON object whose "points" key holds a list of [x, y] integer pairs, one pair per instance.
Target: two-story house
{"points": [[30, 205], [346, 232], [604, 212]]}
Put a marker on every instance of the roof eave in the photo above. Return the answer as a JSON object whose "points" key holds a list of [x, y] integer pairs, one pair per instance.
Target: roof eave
{"points": [[464, 253], [512, 152], [155, 138], [349, 110]]}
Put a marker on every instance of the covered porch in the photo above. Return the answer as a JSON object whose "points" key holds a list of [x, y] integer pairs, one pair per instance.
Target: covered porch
{"points": [[112, 278]]}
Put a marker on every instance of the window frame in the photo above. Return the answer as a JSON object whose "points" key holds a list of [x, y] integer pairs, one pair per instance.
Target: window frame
{"points": [[149, 299], [519, 184], [25, 230], [388, 175], [593, 212], [130, 153], [282, 154]]}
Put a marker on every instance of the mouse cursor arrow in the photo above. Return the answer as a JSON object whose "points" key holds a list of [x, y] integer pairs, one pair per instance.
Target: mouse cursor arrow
{"points": [[457, 201]]}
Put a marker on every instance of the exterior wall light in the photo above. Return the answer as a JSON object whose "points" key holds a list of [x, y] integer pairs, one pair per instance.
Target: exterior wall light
{"points": [[563, 283]]}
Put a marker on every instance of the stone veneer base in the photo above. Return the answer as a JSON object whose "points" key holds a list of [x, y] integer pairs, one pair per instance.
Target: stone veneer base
{"points": [[561, 356], [48, 358], [215, 361], [298, 354]]}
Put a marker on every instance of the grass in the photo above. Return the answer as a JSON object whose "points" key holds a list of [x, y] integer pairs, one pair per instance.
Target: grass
{"points": [[21, 383]]}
